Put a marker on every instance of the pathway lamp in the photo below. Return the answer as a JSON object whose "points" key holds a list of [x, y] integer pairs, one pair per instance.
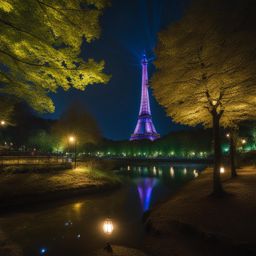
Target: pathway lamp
{"points": [[222, 169], [72, 140], [108, 228]]}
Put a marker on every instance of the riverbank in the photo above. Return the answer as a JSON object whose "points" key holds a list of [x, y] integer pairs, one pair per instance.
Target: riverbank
{"points": [[193, 223], [27, 188]]}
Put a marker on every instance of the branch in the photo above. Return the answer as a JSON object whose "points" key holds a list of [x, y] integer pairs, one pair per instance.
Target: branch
{"points": [[35, 64], [21, 30]]}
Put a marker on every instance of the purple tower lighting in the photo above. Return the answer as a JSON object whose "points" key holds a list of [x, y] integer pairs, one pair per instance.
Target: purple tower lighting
{"points": [[145, 129]]}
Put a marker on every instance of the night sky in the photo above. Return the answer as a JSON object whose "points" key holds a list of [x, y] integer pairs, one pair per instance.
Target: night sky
{"points": [[128, 28]]}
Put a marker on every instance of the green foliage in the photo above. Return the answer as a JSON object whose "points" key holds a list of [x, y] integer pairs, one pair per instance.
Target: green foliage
{"points": [[6, 110], [40, 44], [187, 144], [206, 64], [43, 141]]}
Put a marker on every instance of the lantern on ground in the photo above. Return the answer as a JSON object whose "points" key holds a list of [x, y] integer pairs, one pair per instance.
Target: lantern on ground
{"points": [[108, 228]]}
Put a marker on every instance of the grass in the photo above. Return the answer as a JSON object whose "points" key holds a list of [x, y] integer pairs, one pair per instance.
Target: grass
{"points": [[25, 187]]}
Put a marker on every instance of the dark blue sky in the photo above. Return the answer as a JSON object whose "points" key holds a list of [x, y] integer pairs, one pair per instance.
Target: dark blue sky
{"points": [[128, 27]]}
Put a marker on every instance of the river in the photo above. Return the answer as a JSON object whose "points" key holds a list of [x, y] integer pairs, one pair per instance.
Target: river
{"points": [[74, 227]]}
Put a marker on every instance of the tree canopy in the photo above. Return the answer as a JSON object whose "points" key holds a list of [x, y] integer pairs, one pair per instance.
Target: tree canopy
{"points": [[40, 44], [206, 61], [206, 68], [78, 123]]}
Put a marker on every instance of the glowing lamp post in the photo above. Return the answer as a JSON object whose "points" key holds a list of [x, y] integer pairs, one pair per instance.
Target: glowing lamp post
{"points": [[243, 141], [222, 170], [108, 228], [3, 123], [72, 140]]}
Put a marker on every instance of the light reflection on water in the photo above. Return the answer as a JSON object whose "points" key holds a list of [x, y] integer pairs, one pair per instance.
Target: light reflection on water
{"points": [[164, 178], [74, 227]]}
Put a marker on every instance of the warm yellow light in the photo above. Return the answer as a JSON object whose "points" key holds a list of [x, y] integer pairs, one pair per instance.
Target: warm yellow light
{"points": [[214, 102], [227, 135], [172, 174], [71, 139], [154, 171], [2, 122], [108, 227], [243, 141], [195, 173], [222, 169]]}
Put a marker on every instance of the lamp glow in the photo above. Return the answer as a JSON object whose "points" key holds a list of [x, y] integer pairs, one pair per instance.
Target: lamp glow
{"points": [[243, 141], [3, 122], [222, 170], [108, 227], [72, 139], [227, 135]]}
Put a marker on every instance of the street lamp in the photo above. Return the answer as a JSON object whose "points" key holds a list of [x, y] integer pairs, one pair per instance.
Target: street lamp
{"points": [[243, 141], [72, 140], [222, 170], [3, 123], [108, 228]]}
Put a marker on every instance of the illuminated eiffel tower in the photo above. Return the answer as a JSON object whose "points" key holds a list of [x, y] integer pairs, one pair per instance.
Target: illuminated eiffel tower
{"points": [[145, 129]]}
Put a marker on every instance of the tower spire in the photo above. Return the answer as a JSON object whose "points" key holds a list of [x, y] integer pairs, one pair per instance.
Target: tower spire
{"points": [[145, 128]]}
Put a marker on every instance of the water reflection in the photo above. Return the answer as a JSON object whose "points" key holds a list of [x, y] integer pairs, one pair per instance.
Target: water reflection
{"points": [[145, 187], [154, 171], [165, 171], [172, 174], [75, 227]]}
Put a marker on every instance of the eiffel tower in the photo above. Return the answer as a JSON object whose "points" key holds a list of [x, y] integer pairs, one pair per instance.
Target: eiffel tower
{"points": [[145, 129]]}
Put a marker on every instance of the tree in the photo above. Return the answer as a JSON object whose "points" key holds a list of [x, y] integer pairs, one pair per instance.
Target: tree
{"points": [[76, 122], [206, 68], [233, 144], [40, 44], [42, 141]]}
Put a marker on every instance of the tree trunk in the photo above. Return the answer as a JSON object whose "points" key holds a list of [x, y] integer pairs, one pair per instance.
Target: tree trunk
{"points": [[217, 185], [232, 154]]}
